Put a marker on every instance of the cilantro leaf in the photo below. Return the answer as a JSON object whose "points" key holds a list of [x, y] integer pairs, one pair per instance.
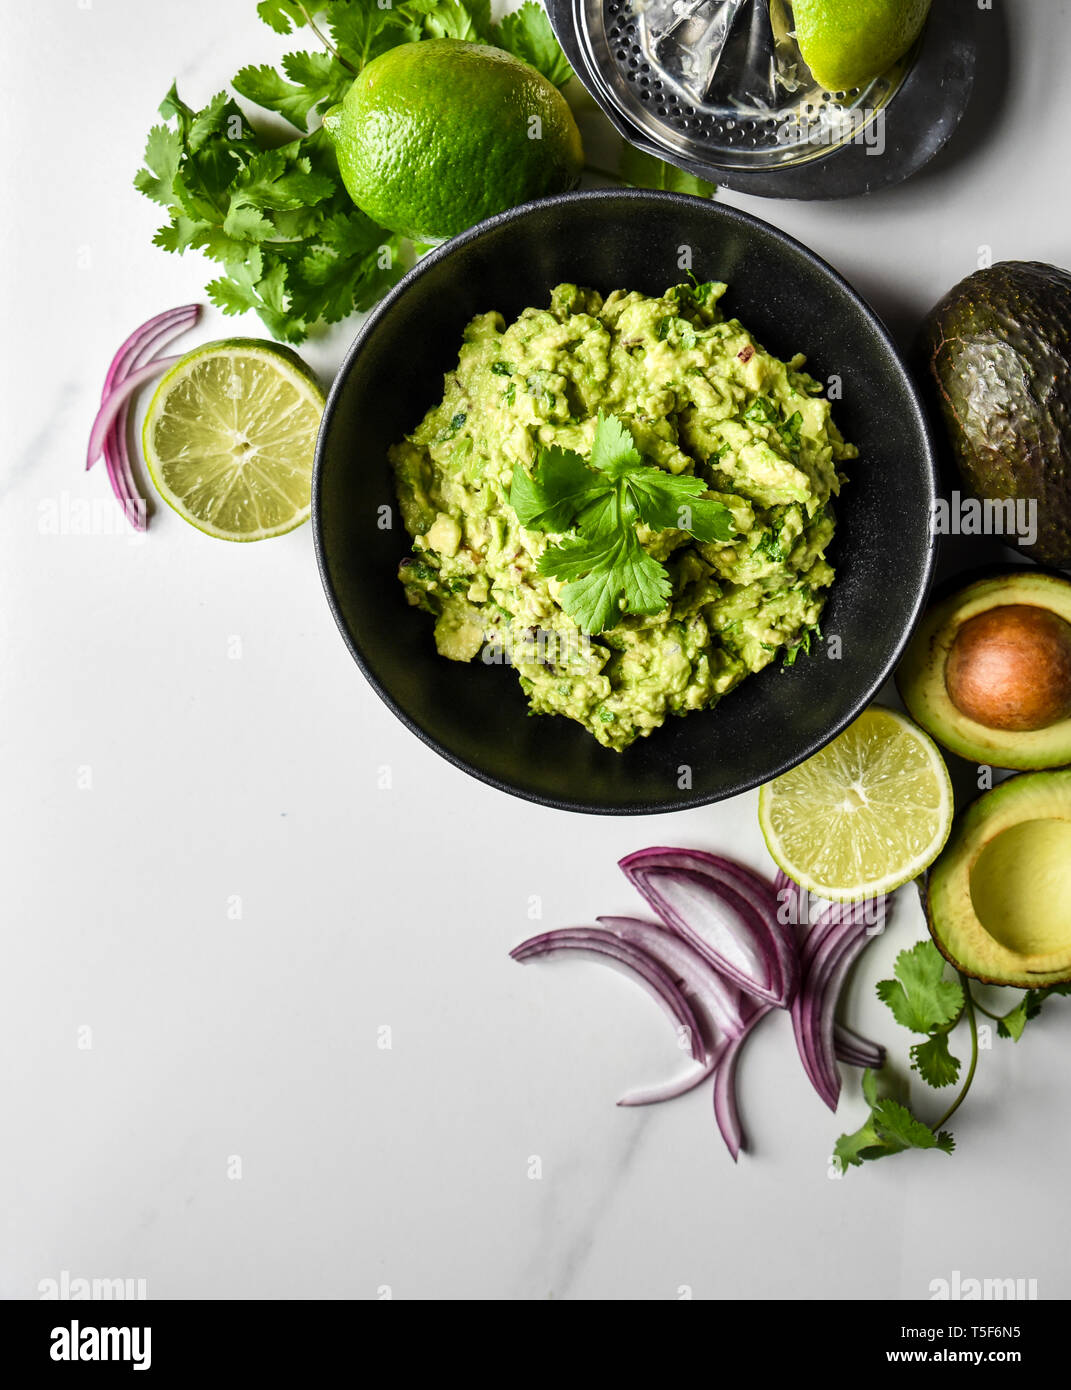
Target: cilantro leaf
{"points": [[1014, 1022], [659, 497], [450, 20], [762, 411], [889, 1128], [362, 30], [853, 1150], [281, 179], [177, 235], [664, 501], [613, 449], [562, 486], [233, 295], [604, 567], [601, 573], [265, 86], [163, 155], [317, 80], [173, 107], [320, 76], [894, 1122], [790, 431], [668, 502], [222, 116], [283, 15], [245, 223], [920, 998], [527, 34], [934, 1062]]}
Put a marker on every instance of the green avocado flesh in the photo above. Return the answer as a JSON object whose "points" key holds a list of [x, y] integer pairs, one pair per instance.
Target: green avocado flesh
{"points": [[700, 397], [998, 347], [921, 677], [999, 898]]}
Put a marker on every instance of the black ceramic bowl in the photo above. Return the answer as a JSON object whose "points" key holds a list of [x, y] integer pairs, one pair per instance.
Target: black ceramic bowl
{"points": [[476, 715]]}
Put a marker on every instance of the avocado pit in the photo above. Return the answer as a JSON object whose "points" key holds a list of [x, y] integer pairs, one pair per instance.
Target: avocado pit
{"points": [[1009, 668]]}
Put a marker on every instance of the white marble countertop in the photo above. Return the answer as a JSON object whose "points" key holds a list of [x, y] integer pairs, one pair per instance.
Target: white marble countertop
{"points": [[155, 787]]}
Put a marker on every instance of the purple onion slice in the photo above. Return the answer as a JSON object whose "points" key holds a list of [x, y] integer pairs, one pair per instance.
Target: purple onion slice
{"points": [[726, 1111], [726, 911], [658, 982]]}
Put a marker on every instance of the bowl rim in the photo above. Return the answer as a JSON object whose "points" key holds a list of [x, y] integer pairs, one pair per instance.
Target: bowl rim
{"points": [[443, 251]]}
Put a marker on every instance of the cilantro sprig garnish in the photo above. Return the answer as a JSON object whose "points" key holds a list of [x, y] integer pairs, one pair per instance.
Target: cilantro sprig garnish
{"points": [[889, 1128], [919, 996], [596, 506], [922, 999]]}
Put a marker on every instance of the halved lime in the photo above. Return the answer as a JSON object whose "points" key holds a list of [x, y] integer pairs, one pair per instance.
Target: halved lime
{"points": [[230, 435], [847, 43], [864, 815]]}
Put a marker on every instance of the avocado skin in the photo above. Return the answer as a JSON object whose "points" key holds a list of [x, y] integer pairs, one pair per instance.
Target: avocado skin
{"points": [[998, 347]]}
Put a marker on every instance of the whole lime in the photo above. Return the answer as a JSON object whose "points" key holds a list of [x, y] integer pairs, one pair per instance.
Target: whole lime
{"points": [[847, 43], [434, 136]]}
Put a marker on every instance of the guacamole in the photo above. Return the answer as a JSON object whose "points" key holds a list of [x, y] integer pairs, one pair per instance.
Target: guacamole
{"points": [[700, 397]]}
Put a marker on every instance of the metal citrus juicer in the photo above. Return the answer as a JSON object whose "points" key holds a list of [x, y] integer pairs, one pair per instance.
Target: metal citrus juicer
{"points": [[720, 89]]}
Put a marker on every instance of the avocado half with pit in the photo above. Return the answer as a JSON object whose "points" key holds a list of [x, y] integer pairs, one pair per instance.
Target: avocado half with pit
{"points": [[988, 672], [999, 897]]}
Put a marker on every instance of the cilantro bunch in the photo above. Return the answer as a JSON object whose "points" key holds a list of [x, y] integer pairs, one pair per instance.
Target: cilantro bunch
{"points": [[288, 240], [274, 214], [923, 1000], [599, 503]]}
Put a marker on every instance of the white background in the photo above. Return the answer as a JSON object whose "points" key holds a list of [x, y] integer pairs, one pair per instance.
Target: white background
{"points": [[362, 907]]}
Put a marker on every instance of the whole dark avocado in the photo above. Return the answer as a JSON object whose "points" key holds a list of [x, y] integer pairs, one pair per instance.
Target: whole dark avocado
{"points": [[999, 349]]}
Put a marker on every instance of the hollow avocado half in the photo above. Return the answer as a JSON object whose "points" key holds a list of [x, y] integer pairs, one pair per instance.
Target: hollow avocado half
{"points": [[998, 349], [999, 896], [922, 685]]}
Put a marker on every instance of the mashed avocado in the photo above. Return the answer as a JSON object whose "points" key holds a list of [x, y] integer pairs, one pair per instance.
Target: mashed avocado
{"points": [[700, 397]]}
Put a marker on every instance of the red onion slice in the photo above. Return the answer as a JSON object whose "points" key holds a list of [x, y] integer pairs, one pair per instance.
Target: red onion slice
{"points": [[726, 911], [670, 1090], [719, 1006], [136, 354], [726, 1006], [153, 333], [121, 474], [115, 400], [726, 1111], [856, 1051], [658, 981], [831, 948]]}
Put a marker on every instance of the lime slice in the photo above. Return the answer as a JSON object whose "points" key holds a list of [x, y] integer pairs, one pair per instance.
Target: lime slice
{"points": [[229, 438], [866, 814]]}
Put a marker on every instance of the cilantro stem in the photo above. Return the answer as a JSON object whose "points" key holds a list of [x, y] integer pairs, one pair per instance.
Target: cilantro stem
{"points": [[325, 40], [983, 1010], [972, 1020]]}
